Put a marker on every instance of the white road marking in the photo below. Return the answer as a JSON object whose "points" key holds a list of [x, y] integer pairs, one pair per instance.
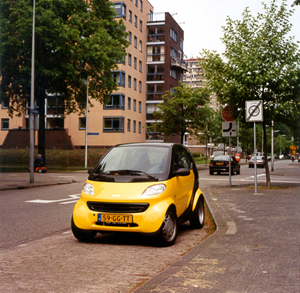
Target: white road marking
{"points": [[60, 201]]}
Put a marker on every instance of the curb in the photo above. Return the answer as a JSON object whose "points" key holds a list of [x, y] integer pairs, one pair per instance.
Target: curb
{"points": [[221, 228]]}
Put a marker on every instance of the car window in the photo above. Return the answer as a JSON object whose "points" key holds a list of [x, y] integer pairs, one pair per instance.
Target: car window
{"points": [[180, 159], [222, 158], [152, 160]]}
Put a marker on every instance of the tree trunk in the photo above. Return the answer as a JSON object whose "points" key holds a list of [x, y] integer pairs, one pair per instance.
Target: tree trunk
{"points": [[41, 132], [268, 180]]}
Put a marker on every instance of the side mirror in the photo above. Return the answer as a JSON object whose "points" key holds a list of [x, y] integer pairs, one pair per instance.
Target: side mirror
{"points": [[90, 171], [182, 172]]}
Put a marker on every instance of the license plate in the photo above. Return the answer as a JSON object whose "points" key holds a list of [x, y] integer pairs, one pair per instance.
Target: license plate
{"points": [[109, 218], [219, 163]]}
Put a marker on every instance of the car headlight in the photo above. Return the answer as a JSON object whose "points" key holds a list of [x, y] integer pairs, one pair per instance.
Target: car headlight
{"points": [[154, 189], [88, 189]]}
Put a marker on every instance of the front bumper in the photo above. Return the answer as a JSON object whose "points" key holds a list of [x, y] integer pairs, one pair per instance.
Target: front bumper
{"points": [[148, 221]]}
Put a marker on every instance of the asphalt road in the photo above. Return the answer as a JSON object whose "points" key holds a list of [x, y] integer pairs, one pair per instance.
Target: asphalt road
{"points": [[34, 213]]}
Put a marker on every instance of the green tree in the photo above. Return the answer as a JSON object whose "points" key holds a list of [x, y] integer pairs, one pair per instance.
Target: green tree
{"points": [[260, 63], [74, 39], [183, 110]]}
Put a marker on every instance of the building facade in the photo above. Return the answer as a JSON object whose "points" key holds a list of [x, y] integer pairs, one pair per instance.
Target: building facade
{"points": [[153, 65], [194, 77], [165, 66]]}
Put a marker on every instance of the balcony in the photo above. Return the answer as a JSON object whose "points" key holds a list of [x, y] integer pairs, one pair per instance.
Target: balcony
{"points": [[179, 63]]}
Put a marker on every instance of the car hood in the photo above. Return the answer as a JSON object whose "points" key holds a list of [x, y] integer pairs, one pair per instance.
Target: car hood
{"points": [[118, 191]]}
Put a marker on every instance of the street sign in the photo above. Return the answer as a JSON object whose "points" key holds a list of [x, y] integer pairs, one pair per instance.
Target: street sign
{"points": [[93, 133], [227, 113], [34, 111], [254, 111], [229, 129]]}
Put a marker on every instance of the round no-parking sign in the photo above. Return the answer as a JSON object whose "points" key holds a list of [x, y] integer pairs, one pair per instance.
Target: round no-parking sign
{"points": [[254, 111]]}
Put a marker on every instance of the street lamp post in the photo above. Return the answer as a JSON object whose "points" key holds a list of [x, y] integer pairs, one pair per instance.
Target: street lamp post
{"points": [[31, 115], [86, 121], [280, 143]]}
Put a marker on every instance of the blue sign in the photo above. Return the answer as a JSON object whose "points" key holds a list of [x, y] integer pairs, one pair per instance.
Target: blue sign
{"points": [[34, 111], [93, 133]]}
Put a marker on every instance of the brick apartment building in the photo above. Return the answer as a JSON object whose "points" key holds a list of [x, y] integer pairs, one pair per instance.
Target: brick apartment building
{"points": [[153, 65]]}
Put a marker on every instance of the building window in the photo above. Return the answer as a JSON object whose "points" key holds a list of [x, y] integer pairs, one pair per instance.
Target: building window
{"points": [[129, 103], [130, 37], [135, 63], [135, 42], [134, 83], [4, 124], [135, 21], [120, 9], [140, 107], [130, 15], [181, 44], [114, 101], [129, 81], [140, 66], [173, 35], [5, 103], [141, 5], [173, 73], [82, 123], [173, 53], [140, 127], [141, 26], [113, 124], [119, 77], [129, 59], [128, 124], [141, 46], [136, 3], [134, 104], [140, 86], [134, 126]]}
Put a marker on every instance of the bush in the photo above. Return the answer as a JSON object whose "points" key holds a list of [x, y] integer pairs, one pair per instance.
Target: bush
{"points": [[53, 157]]}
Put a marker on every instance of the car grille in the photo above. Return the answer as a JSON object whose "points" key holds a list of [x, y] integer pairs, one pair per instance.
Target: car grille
{"points": [[117, 207]]}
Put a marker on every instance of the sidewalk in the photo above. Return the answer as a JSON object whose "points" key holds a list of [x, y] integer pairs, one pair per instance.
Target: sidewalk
{"points": [[20, 180], [254, 249]]}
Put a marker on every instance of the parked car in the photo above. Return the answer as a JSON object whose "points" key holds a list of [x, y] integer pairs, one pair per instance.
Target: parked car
{"points": [[221, 164], [298, 158], [216, 153], [260, 162], [146, 188]]}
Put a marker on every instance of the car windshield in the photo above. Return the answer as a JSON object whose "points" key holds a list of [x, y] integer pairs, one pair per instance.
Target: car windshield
{"points": [[217, 153], [222, 158], [146, 159]]}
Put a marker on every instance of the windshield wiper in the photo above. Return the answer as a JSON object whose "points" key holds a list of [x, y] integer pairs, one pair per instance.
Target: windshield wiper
{"points": [[130, 172]]}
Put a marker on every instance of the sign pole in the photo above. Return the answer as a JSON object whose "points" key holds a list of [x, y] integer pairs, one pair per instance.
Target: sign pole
{"points": [[229, 161], [255, 165]]}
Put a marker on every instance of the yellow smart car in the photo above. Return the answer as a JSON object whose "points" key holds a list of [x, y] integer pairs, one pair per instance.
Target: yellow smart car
{"points": [[146, 188]]}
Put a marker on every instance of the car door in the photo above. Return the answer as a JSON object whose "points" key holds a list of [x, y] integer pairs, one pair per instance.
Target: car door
{"points": [[183, 184]]}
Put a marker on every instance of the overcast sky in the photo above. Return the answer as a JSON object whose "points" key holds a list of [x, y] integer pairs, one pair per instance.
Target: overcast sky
{"points": [[201, 20]]}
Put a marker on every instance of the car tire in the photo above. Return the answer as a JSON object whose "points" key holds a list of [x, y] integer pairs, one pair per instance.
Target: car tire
{"points": [[169, 228], [211, 172], [82, 235], [198, 215]]}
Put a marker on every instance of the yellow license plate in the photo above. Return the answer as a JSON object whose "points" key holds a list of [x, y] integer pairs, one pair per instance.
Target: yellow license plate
{"points": [[109, 218], [219, 163]]}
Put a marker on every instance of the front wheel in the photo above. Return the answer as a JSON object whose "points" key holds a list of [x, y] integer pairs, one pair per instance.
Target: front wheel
{"points": [[82, 235], [169, 229], [198, 215]]}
